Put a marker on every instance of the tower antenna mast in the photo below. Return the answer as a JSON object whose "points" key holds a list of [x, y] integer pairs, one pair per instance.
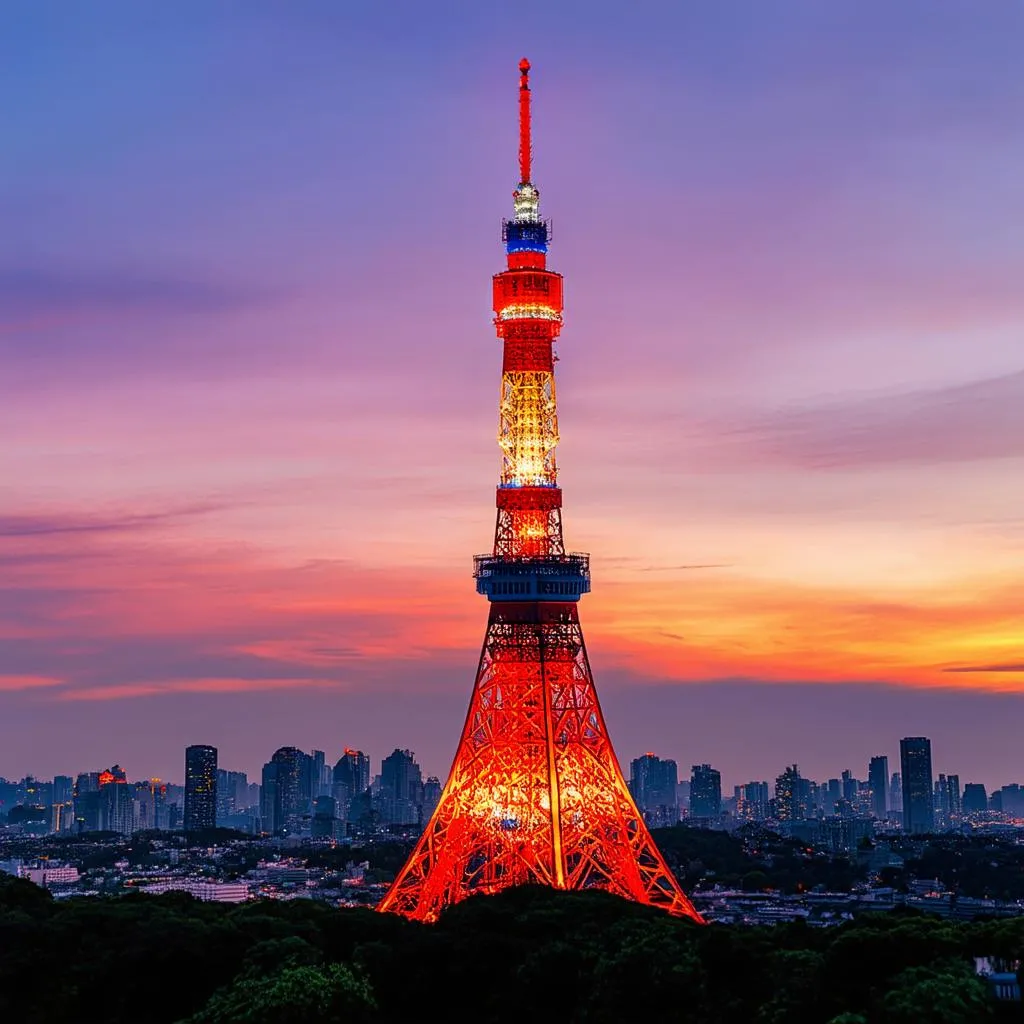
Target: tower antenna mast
{"points": [[525, 153]]}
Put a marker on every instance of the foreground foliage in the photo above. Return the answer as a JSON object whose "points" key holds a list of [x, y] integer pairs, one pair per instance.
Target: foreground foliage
{"points": [[527, 954]]}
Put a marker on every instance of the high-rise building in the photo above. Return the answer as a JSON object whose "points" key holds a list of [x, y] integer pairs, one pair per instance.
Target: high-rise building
{"points": [[200, 787], [1009, 800], [916, 769], [653, 781], [431, 794], [896, 796], [87, 802], [832, 794], [953, 797], [752, 801], [878, 781], [307, 782], [282, 806], [401, 789], [319, 770], [63, 788], [325, 818], [116, 802], [789, 804], [850, 787], [947, 800], [225, 797], [148, 805], [351, 779], [268, 797], [705, 792], [975, 798], [232, 795], [62, 808]]}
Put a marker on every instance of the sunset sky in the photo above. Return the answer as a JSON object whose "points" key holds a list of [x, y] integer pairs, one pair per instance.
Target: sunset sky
{"points": [[248, 378]]}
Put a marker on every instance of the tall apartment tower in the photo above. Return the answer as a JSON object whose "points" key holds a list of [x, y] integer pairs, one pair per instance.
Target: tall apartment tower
{"points": [[878, 780], [653, 782], [351, 777], [918, 797], [705, 792], [401, 788], [200, 787], [281, 800]]}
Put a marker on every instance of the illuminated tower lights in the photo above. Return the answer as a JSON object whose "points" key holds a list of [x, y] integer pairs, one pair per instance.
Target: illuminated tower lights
{"points": [[535, 794]]}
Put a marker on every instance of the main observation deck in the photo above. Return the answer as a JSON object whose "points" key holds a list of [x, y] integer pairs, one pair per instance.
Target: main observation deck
{"points": [[549, 578]]}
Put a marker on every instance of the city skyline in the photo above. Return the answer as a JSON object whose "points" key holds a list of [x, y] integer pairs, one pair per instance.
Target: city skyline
{"points": [[245, 359], [727, 781], [301, 793]]}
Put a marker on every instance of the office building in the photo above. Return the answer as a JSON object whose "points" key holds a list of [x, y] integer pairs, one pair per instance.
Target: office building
{"points": [[200, 788], [281, 802], [918, 798], [653, 782], [401, 789], [320, 773], [975, 798], [705, 792], [789, 795], [878, 783], [431, 795], [325, 823], [1009, 800], [752, 801], [896, 796], [850, 787], [116, 800], [63, 789], [351, 779]]}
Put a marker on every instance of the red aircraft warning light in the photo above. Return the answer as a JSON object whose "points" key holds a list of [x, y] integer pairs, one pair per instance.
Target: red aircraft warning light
{"points": [[535, 793]]}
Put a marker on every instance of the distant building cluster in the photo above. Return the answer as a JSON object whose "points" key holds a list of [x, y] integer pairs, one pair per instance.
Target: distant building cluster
{"points": [[302, 795], [299, 794], [836, 813]]}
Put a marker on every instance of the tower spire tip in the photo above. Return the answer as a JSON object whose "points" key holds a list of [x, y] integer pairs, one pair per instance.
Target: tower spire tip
{"points": [[524, 121]]}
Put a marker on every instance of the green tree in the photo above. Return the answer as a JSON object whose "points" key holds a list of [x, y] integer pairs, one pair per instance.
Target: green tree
{"points": [[949, 993], [799, 990], [335, 994]]}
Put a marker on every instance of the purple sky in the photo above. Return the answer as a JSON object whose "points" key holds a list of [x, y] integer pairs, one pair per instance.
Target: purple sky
{"points": [[249, 383]]}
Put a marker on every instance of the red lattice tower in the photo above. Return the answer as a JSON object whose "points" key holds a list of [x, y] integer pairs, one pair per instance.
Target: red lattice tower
{"points": [[535, 794]]}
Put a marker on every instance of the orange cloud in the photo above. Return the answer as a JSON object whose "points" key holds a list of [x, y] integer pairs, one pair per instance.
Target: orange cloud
{"points": [[116, 614], [735, 626]]}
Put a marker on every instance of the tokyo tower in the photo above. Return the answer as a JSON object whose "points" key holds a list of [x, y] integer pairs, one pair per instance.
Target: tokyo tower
{"points": [[535, 793]]}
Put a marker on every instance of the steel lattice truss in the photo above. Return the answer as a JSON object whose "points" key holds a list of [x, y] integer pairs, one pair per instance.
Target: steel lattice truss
{"points": [[528, 430], [535, 793]]}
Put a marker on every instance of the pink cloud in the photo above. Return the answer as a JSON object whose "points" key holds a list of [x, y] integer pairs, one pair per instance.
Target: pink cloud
{"points": [[168, 687], [11, 683]]}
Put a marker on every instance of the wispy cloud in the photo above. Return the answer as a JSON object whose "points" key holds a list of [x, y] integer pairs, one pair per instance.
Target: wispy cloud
{"points": [[12, 683], [680, 568], [29, 292], [58, 523], [169, 687], [1006, 667], [964, 423]]}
